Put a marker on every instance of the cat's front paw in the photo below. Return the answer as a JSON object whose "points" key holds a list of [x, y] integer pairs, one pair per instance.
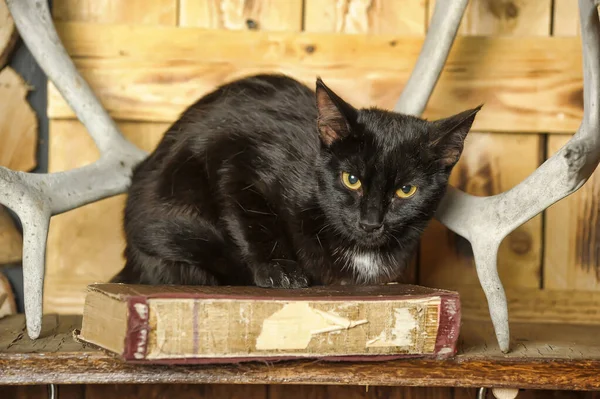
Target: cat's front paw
{"points": [[280, 274]]}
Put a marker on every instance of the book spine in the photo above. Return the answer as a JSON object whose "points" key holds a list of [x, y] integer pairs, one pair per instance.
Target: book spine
{"points": [[448, 326], [138, 328]]}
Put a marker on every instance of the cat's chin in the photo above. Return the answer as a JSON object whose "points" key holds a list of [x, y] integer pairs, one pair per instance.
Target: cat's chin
{"points": [[369, 241]]}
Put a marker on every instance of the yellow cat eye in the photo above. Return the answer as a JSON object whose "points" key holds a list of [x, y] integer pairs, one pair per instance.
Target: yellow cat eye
{"points": [[406, 191], [351, 181]]}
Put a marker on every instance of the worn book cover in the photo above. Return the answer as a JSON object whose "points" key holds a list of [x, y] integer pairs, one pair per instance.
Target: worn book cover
{"points": [[176, 324]]}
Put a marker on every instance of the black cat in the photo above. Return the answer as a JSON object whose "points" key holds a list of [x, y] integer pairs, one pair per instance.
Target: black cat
{"points": [[265, 182]]}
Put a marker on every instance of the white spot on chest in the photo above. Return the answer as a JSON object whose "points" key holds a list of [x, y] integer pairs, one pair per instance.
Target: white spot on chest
{"points": [[367, 266]]}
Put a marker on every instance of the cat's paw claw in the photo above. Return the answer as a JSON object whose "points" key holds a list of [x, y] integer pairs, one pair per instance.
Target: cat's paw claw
{"points": [[280, 275]]}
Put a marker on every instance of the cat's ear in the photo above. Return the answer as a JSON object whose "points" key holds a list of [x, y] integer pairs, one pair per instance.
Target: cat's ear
{"points": [[448, 135], [335, 116]]}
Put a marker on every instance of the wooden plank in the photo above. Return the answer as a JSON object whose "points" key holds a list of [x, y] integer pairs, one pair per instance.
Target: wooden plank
{"points": [[572, 254], [152, 12], [85, 245], [159, 391], [543, 306], [370, 16], [269, 15], [527, 84], [466, 393], [506, 18], [8, 306], [11, 240], [356, 392], [18, 123], [565, 19], [23, 392], [491, 164], [8, 34], [543, 356]]}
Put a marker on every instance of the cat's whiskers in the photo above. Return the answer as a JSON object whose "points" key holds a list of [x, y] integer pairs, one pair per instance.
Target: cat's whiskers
{"points": [[395, 238], [326, 225], [319, 240], [272, 249], [240, 205], [259, 212]]}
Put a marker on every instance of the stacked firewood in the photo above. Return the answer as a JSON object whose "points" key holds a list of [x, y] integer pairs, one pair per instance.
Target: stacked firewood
{"points": [[18, 139]]}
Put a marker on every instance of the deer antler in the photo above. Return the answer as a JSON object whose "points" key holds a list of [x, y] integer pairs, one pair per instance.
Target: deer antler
{"points": [[36, 197], [486, 221]]}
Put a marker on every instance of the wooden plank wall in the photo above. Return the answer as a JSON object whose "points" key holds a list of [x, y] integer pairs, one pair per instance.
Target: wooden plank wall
{"points": [[531, 87]]}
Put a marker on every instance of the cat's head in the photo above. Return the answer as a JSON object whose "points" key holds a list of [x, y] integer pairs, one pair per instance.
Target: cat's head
{"points": [[382, 174]]}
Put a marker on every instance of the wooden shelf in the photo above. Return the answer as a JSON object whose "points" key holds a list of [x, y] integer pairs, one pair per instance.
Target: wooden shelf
{"points": [[548, 356]]}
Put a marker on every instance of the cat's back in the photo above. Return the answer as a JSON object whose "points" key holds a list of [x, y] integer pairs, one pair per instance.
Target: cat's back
{"points": [[270, 97], [268, 117], [265, 122]]}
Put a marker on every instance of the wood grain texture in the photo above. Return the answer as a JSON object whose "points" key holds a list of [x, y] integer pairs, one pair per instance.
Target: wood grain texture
{"points": [[491, 164], [11, 240], [565, 19], [572, 251], [18, 123], [8, 306], [42, 392], [469, 393], [85, 245], [24, 392], [356, 392], [176, 391], [272, 15], [220, 391], [506, 17], [543, 306], [366, 16], [151, 12], [527, 84], [8, 34], [544, 356]]}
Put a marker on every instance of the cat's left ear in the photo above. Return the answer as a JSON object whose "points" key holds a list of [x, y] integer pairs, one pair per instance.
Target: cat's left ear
{"points": [[335, 116], [448, 135]]}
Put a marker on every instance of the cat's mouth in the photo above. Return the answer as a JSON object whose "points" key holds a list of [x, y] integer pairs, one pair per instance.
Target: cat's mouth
{"points": [[371, 239]]}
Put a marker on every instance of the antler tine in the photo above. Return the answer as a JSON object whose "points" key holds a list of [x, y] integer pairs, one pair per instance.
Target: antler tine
{"points": [[486, 221], [36, 197], [444, 24]]}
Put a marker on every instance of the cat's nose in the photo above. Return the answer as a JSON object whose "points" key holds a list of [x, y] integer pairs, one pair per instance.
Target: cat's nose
{"points": [[370, 226]]}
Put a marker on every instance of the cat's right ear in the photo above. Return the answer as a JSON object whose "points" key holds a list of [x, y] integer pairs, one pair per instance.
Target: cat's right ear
{"points": [[335, 116], [448, 135]]}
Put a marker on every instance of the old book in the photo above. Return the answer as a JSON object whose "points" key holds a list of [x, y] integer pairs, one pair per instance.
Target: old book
{"points": [[174, 324]]}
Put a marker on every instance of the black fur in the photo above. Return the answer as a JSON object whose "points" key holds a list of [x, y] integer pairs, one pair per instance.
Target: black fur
{"points": [[245, 189]]}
